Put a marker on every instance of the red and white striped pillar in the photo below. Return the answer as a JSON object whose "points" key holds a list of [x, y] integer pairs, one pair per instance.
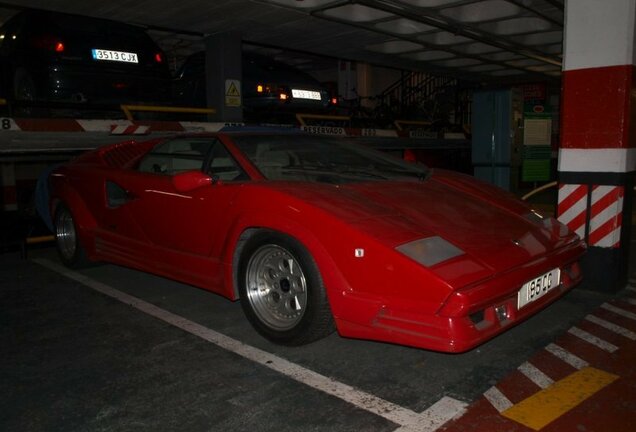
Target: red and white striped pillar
{"points": [[597, 158]]}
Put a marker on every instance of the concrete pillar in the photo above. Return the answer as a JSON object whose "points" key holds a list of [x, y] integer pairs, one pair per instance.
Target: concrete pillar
{"points": [[224, 76], [597, 155]]}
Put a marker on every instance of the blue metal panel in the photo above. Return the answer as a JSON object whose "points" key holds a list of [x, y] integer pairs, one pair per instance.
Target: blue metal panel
{"points": [[491, 136]]}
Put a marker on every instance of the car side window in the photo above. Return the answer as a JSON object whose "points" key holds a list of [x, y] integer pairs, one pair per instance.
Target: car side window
{"points": [[222, 165], [177, 155]]}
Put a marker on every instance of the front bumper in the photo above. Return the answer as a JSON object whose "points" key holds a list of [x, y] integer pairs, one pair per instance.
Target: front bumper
{"points": [[473, 315]]}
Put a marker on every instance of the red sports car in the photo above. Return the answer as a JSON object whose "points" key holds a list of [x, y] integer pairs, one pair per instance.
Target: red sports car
{"points": [[315, 233]]}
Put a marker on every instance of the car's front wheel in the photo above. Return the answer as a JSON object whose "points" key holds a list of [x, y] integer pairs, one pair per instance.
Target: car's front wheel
{"points": [[67, 240], [281, 290]]}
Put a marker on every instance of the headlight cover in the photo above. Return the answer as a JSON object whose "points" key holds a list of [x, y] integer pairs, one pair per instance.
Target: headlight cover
{"points": [[430, 251], [547, 222]]}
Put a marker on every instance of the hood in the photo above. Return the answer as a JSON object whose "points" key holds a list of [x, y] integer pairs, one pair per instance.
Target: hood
{"points": [[490, 225]]}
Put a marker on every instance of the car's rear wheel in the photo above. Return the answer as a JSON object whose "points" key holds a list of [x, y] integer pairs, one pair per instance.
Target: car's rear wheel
{"points": [[281, 290], [67, 240]]}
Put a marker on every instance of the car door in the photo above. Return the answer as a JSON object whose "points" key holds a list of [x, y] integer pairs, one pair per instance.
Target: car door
{"points": [[178, 232]]}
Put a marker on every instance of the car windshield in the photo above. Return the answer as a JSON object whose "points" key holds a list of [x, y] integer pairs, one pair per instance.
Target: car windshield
{"points": [[296, 157]]}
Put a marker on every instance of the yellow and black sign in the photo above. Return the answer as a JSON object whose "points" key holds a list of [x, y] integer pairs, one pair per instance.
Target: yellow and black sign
{"points": [[232, 93]]}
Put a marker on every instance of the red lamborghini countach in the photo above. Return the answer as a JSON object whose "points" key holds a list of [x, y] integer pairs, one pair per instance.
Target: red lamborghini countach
{"points": [[313, 234]]}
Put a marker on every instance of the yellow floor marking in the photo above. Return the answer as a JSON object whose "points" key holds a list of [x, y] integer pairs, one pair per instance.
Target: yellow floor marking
{"points": [[551, 403]]}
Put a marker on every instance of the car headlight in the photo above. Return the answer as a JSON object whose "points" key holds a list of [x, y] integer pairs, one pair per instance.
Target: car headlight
{"points": [[430, 251]]}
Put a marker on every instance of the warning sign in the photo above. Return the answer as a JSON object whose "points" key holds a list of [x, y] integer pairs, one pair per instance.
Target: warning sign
{"points": [[232, 93]]}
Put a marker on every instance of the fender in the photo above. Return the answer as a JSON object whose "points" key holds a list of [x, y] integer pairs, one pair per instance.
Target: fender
{"points": [[335, 282]]}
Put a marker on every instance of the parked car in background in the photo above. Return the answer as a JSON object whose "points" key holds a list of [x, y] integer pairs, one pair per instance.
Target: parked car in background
{"points": [[52, 56], [268, 86], [317, 233]]}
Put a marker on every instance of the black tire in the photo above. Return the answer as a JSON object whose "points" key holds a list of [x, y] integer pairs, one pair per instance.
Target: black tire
{"points": [[67, 241], [291, 305]]}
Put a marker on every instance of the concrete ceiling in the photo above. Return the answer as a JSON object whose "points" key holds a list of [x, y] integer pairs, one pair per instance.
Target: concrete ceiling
{"points": [[488, 39]]}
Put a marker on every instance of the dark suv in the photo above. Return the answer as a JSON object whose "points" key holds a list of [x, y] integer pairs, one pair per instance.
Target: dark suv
{"points": [[51, 56]]}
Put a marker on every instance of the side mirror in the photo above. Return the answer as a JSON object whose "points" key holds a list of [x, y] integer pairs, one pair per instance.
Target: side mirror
{"points": [[190, 180]]}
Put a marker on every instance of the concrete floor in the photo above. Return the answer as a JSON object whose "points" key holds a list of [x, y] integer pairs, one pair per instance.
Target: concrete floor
{"points": [[76, 360]]}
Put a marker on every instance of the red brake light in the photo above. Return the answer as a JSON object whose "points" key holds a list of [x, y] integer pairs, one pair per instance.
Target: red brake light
{"points": [[49, 43], [334, 101], [159, 58]]}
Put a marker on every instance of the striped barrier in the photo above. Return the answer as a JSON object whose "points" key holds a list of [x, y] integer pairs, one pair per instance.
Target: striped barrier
{"points": [[594, 213], [129, 130], [142, 127], [106, 126]]}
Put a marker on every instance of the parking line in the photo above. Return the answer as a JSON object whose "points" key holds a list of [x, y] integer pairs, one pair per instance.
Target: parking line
{"points": [[590, 338], [612, 327], [566, 356], [619, 311], [427, 421], [436, 415], [497, 399], [535, 375], [549, 404]]}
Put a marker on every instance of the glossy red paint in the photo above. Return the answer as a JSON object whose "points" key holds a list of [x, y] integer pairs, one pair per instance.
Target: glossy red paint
{"points": [[191, 234]]}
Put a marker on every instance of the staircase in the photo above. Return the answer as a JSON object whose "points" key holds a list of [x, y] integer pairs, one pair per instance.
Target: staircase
{"points": [[419, 96]]}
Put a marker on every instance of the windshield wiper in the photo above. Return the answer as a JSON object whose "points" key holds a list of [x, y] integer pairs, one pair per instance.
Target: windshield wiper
{"points": [[360, 172], [336, 171]]}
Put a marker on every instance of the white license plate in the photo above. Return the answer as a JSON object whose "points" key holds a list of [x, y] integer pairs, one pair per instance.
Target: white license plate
{"points": [[538, 287], [118, 56], [305, 94]]}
